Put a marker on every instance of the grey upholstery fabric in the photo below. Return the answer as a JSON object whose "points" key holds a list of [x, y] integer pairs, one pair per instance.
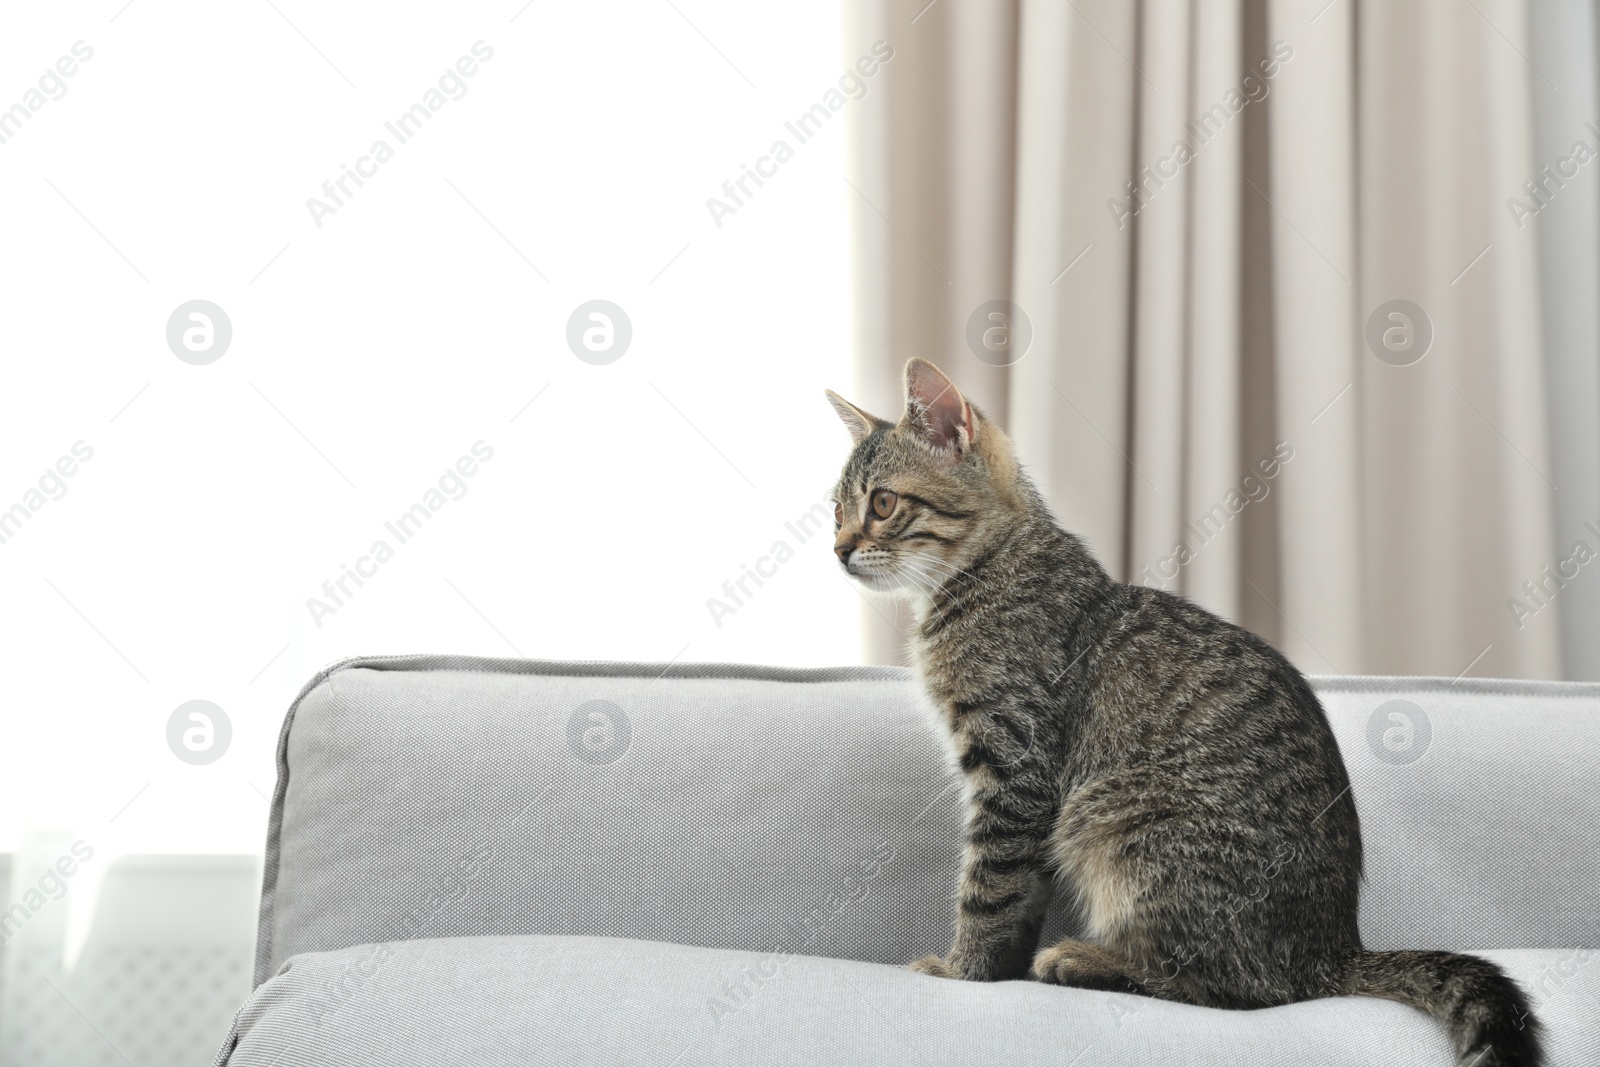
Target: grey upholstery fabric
{"points": [[813, 812], [577, 1000], [740, 811]]}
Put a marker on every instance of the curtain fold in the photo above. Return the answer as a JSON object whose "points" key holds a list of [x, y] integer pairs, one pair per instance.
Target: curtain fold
{"points": [[1214, 405], [933, 188], [1562, 45], [1311, 197], [1291, 353], [1069, 391]]}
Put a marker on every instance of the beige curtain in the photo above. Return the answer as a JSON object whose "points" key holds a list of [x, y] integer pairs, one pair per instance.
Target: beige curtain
{"points": [[1202, 207]]}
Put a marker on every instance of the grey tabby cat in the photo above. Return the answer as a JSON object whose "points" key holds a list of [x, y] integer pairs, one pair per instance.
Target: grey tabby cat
{"points": [[1170, 771]]}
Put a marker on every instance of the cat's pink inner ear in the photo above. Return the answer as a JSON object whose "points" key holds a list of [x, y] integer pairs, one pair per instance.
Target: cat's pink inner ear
{"points": [[937, 408]]}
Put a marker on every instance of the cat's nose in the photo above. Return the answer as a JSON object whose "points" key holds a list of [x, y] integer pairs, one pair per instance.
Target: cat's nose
{"points": [[843, 549]]}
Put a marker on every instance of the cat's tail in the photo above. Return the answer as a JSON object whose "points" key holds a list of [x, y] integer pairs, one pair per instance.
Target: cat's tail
{"points": [[1486, 1012]]}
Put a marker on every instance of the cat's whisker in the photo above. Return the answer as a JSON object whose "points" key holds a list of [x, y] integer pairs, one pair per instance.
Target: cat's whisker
{"points": [[900, 582], [910, 553], [953, 571], [924, 578], [932, 582], [937, 581], [931, 558]]}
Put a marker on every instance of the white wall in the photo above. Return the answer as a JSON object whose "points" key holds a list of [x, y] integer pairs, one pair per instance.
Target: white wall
{"points": [[371, 352]]}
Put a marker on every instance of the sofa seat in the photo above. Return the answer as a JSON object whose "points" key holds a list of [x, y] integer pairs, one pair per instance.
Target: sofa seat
{"points": [[595, 1000], [513, 861]]}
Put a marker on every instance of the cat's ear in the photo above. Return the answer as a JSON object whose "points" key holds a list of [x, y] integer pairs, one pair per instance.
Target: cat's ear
{"points": [[858, 422], [938, 412]]}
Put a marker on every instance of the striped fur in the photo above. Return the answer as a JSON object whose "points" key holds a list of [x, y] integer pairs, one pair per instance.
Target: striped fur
{"points": [[1169, 773]]}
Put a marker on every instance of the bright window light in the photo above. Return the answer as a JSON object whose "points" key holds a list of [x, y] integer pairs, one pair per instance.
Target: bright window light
{"points": [[398, 451]]}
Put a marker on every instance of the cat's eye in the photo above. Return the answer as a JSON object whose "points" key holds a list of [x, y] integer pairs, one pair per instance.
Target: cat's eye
{"points": [[838, 516], [883, 502]]}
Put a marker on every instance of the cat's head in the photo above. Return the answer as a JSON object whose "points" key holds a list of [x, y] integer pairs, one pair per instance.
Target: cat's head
{"points": [[919, 499]]}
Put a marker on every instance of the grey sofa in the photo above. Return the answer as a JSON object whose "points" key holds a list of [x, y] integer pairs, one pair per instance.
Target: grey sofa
{"points": [[509, 862]]}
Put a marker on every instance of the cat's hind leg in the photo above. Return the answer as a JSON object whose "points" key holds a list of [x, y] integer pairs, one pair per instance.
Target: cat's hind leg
{"points": [[1086, 965]]}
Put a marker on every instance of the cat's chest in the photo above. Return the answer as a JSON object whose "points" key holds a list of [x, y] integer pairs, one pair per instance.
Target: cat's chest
{"points": [[937, 666], [944, 638], [940, 677], [954, 661], [945, 720]]}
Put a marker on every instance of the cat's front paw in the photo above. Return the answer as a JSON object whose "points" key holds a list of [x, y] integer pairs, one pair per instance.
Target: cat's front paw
{"points": [[933, 965]]}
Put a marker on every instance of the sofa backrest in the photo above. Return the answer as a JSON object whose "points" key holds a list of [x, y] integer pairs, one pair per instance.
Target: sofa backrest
{"points": [[813, 811]]}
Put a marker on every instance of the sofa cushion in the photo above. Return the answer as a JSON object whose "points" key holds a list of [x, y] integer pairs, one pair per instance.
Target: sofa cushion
{"points": [[583, 1000], [814, 811], [737, 808]]}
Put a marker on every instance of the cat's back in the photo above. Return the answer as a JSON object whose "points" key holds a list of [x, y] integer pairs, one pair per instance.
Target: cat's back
{"points": [[1132, 676], [1172, 684]]}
